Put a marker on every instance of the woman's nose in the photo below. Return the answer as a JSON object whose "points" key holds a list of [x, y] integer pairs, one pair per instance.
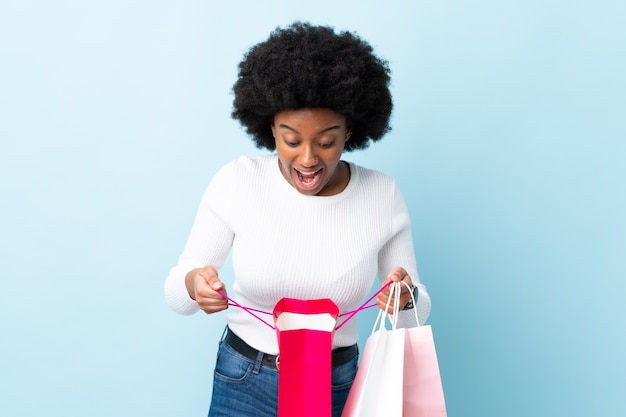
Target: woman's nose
{"points": [[309, 158]]}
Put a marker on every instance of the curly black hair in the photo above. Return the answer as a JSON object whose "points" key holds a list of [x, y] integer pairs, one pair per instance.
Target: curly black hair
{"points": [[305, 66]]}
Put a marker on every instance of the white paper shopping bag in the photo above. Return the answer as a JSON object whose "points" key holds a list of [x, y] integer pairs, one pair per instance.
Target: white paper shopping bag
{"points": [[377, 388]]}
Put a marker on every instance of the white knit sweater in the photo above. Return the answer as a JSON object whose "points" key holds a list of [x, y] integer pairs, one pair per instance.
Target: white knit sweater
{"points": [[286, 244]]}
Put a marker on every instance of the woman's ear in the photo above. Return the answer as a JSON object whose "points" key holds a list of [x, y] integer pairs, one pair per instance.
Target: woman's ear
{"points": [[348, 129], [348, 134]]}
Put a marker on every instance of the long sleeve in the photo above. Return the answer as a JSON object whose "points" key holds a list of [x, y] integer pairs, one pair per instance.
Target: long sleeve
{"points": [[399, 252], [209, 241]]}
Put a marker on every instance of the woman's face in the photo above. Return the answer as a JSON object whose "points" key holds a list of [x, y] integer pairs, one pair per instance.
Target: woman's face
{"points": [[309, 143]]}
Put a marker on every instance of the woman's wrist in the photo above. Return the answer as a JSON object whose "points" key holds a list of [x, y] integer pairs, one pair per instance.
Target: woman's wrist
{"points": [[410, 304], [189, 283]]}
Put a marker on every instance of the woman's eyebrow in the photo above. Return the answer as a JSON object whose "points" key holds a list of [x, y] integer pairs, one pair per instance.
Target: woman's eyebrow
{"points": [[329, 128]]}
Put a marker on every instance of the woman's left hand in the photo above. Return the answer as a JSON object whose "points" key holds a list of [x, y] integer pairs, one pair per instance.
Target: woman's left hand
{"points": [[396, 275]]}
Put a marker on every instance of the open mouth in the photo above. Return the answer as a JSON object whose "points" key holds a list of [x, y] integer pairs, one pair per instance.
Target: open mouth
{"points": [[308, 181]]}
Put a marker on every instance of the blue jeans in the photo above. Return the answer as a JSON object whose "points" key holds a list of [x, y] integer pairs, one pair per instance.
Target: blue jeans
{"points": [[245, 388]]}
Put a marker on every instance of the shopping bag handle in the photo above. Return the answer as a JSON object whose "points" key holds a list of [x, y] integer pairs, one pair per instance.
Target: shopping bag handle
{"points": [[249, 310], [363, 306], [414, 302], [394, 293], [383, 315], [350, 314]]}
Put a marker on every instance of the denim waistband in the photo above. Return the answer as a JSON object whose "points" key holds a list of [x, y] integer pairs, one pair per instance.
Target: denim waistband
{"points": [[339, 356]]}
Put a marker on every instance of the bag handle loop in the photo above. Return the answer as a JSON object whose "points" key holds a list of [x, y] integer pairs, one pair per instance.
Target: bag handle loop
{"points": [[247, 309], [394, 293], [414, 302], [350, 314]]}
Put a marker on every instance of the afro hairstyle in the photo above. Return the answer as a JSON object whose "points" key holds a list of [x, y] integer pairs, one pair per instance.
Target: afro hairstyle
{"points": [[305, 66]]}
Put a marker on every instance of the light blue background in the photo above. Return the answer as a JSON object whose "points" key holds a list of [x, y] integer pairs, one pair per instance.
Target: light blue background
{"points": [[508, 141]]}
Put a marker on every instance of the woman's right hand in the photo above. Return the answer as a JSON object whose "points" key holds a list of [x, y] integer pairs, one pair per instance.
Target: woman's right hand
{"points": [[201, 284]]}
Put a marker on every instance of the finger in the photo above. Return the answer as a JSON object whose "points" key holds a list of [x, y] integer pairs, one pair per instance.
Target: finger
{"points": [[212, 302], [216, 285], [208, 281], [208, 274], [397, 274], [389, 308], [210, 308], [400, 275], [215, 290], [385, 301], [207, 297]]}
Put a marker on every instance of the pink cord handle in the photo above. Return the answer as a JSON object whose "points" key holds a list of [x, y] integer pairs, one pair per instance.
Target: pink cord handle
{"points": [[249, 310], [360, 308], [350, 314], [363, 306]]}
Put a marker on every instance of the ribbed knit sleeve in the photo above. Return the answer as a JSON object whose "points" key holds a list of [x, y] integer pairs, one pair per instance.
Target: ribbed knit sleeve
{"points": [[209, 241], [399, 252]]}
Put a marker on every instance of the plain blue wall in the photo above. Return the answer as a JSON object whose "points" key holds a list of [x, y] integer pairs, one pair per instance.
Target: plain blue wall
{"points": [[508, 141]]}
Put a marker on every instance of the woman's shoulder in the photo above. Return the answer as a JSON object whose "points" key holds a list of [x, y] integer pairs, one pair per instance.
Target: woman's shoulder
{"points": [[245, 172], [241, 174], [246, 165], [372, 177]]}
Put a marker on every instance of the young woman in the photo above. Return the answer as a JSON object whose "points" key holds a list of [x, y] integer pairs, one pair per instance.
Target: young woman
{"points": [[300, 221]]}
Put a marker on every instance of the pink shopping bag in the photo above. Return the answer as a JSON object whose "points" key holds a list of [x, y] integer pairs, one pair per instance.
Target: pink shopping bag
{"points": [[398, 374], [423, 391], [422, 388], [305, 332]]}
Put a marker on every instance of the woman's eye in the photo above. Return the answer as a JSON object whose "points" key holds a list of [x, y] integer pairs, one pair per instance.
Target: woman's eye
{"points": [[326, 145], [290, 143]]}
